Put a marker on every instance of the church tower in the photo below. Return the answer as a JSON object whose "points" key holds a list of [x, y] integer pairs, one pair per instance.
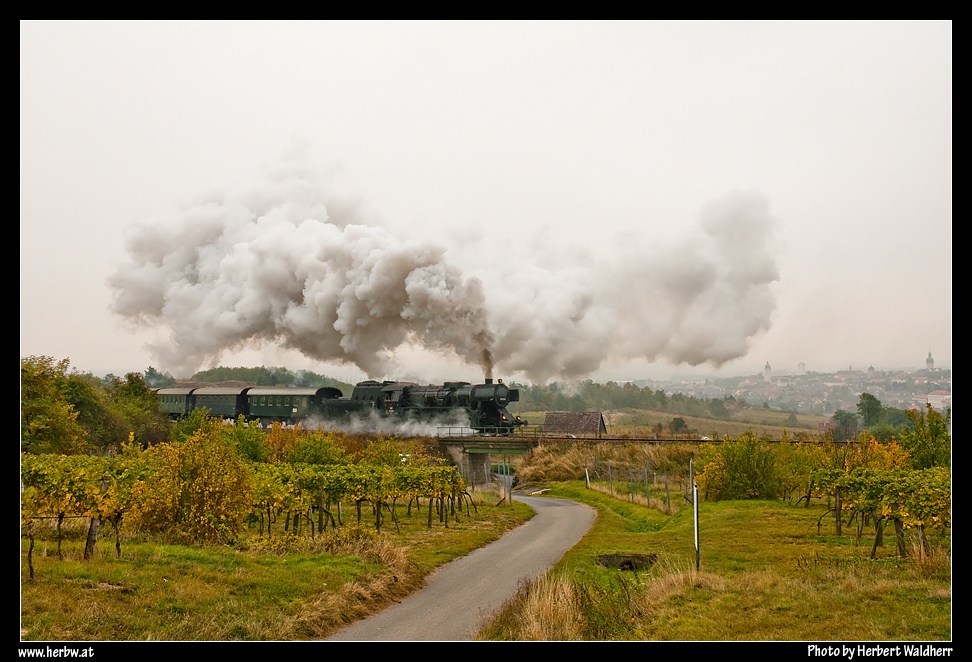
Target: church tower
{"points": [[929, 362]]}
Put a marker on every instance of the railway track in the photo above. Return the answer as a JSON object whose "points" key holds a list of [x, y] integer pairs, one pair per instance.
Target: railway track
{"points": [[534, 439]]}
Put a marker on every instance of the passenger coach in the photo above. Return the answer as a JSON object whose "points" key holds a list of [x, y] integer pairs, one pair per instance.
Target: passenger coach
{"points": [[287, 404]]}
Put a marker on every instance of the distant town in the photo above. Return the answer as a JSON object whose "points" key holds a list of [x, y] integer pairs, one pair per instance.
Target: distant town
{"points": [[821, 393]]}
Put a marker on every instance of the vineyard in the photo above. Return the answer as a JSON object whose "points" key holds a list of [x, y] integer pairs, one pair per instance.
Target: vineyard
{"points": [[366, 518], [202, 490], [862, 484]]}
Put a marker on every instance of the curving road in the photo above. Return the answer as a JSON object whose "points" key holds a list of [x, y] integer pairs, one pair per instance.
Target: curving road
{"points": [[459, 596]]}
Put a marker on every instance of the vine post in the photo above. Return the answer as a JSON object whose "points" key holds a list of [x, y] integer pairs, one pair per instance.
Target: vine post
{"points": [[92, 540]]}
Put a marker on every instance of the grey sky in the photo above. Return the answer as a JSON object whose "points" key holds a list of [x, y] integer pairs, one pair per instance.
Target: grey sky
{"points": [[565, 169]]}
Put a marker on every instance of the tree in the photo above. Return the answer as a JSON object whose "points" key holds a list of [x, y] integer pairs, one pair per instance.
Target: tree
{"points": [[138, 405], [886, 433], [845, 425], [717, 408], [156, 379], [895, 417], [678, 425], [106, 427], [869, 409], [249, 440], [48, 421], [930, 442]]}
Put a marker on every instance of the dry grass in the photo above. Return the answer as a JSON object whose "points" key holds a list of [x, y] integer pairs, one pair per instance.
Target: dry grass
{"points": [[551, 611], [332, 610], [356, 599], [675, 582], [650, 501], [561, 461]]}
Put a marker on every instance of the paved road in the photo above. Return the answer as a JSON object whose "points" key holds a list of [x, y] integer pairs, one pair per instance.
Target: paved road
{"points": [[460, 595]]}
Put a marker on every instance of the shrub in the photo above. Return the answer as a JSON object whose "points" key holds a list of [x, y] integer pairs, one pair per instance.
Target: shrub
{"points": [[742, 469], [200, 490]]}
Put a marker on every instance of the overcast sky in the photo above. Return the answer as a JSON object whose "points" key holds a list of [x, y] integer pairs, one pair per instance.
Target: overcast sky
{"points": [[440, 200]]}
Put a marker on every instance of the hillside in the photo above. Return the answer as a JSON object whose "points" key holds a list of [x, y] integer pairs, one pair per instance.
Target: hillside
{"points": [[640, 423]]}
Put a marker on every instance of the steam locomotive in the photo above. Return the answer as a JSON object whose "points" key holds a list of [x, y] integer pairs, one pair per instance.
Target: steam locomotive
{"points": [[485, 404]]}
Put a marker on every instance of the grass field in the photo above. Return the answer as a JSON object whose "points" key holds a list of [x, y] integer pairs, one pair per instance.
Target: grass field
{"points": [[767, 573]]}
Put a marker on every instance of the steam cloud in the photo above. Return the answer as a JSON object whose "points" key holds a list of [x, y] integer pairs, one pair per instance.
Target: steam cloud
{"points": [[269, 264]]}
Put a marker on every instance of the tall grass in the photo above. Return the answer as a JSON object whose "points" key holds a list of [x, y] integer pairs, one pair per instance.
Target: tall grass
{"points": [[561, 461]]}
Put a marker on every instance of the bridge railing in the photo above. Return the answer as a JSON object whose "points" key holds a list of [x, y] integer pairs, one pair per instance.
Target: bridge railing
{"points": [[521, 432]]}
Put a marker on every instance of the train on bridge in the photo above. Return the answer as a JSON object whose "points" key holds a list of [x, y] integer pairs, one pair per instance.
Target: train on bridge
{"points": [[484, 405]]}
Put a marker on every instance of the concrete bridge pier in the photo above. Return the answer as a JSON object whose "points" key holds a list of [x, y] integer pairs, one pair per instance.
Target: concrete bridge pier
{"points": [[474, 457]]}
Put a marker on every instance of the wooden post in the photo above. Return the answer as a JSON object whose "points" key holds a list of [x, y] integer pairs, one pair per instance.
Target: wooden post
{"points": [[899, 536], [837, 513], [92, 540]]}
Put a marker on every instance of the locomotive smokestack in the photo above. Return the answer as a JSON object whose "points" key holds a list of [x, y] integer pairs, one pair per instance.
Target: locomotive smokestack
{"points": [[487, 362]]}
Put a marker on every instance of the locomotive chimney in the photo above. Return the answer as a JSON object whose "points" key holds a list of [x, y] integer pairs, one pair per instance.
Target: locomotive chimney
{"points": [[489, 380]]}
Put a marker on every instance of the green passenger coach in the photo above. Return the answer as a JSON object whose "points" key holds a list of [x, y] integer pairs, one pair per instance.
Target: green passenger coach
{"points": [[287, 404]]}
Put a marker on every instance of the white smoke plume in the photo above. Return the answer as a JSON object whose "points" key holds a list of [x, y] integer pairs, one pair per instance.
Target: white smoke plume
{"points": [[455, 422], [269, 264], [702, 301]]}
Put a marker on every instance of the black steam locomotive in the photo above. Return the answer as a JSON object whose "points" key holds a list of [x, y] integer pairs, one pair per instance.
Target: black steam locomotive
{"points": [[484, 404]]}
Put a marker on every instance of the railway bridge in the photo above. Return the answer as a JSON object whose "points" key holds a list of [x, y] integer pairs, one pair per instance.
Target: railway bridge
{"points": [[476, 455]]}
